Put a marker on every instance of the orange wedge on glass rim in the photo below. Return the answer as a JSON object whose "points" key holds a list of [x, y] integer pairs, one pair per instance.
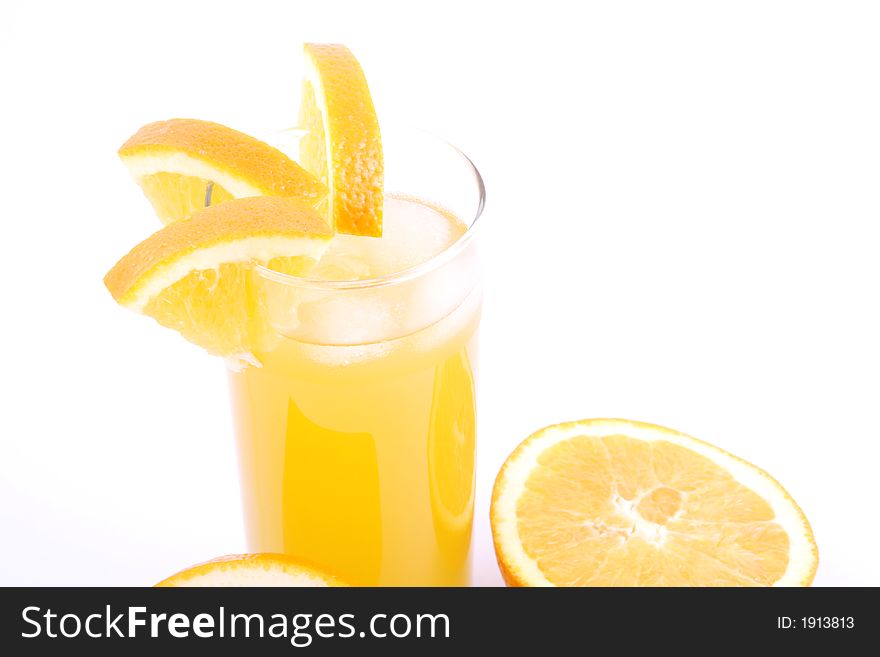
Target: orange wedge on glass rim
{"points": [[182, 165], [242, 570], [620, 503], [197, 277], [342, 146]]}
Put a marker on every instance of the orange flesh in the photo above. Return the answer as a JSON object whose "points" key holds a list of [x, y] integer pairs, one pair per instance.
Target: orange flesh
{"points": [[648, 514], [175, 197]]}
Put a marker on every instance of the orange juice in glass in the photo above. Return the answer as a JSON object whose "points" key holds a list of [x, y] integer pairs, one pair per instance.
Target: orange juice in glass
{"points": [[356, 431]]}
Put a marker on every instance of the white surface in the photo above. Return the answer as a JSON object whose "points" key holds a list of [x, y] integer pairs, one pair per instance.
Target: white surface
{"points": [[681, 228]]}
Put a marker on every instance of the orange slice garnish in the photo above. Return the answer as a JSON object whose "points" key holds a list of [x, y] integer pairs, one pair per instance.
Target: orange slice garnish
{"points": [[343, 147], [176, 162], [196, 276]]}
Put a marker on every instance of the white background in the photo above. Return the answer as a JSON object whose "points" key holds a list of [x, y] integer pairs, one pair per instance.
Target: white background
{"points": [[681, 228]]}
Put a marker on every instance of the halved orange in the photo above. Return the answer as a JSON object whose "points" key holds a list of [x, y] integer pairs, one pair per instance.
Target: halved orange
{"points": [[196, 276], [343, 146], [242, 570], [182, 165], [620, 503]]}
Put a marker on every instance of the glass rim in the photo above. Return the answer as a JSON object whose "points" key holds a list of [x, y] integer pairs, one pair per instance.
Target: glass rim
{"points": [[410, 273]]}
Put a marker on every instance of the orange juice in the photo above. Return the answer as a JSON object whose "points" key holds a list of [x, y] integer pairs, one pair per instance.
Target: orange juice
{"points": [[356, 427]]}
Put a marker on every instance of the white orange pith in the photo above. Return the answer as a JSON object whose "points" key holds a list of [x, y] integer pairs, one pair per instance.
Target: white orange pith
{"points": [[619, 503], [251, 570], [342, 147], [174, 162], [196, 276]]}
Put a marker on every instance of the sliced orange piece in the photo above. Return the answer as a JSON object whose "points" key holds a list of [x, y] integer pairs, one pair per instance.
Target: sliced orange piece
{"points": [[175, 161], [619, 503], [251, 570], [343, 147], [196, 276]]}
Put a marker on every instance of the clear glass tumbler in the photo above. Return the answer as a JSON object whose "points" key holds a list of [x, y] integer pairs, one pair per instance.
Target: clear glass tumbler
{"points": [[356, 432]]}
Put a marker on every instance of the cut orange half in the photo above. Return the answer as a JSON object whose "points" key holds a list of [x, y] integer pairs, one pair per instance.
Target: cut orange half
{"points": [[619, 503], [196, 276], [342, 146], [182, 165], [242, 570]]}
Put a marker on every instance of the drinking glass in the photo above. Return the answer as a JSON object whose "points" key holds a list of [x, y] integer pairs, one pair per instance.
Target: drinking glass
{"points": [[356, 427]]}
